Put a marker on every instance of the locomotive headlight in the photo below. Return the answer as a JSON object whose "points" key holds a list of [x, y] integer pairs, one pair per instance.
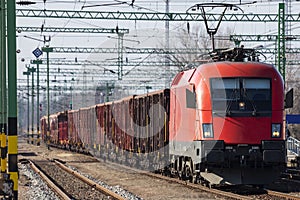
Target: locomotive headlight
{"points": [[276, 130], [207, 130], [242, 105]]}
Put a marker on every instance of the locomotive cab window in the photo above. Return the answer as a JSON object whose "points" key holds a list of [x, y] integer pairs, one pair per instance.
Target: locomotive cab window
{"points": [[241, 96], [258, 91]]}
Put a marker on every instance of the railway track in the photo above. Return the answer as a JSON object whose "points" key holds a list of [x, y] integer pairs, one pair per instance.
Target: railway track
{"points": [[292, 175], [234, 192], [134, 179], [267, 194], [203, 188], [58, 177], [282, 195], [258, 193], [248, 194], [218, 193]]}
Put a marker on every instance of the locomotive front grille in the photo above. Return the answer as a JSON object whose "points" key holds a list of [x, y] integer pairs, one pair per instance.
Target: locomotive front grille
{"points": [[268, 153]]}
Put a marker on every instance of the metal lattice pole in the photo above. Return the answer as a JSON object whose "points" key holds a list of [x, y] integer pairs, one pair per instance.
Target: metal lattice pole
{"points": [[281, 59]]}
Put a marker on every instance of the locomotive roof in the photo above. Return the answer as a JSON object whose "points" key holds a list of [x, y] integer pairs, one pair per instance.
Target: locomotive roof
{"points": [[241, 69], [236, 54], [226, 69]]}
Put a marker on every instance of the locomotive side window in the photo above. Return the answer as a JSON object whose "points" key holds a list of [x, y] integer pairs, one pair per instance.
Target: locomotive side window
{"points": [[241, 96]]}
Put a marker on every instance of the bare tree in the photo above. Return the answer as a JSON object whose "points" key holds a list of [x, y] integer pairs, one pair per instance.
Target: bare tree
{"points": [[196, 38]]}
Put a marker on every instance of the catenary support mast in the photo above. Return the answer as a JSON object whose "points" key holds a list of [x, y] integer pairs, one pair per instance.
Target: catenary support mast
{"points": [[12, 137]]}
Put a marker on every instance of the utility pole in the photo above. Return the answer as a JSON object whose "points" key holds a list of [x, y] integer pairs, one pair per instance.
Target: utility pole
{"points": [[32, 70], [48, 49], [281, 59], [12, 136], [167, 43], [120, 55], [3, 88], [37, 62], [72, 88], [27, 73]]}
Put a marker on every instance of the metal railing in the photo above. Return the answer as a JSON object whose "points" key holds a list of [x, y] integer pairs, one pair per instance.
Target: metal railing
{"points": [[293, 146]]}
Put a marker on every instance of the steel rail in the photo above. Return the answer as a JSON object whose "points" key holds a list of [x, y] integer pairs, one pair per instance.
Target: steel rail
{"points": [[52, 185], [201, 187], [283, 195], [90, 182], [185, 183]]}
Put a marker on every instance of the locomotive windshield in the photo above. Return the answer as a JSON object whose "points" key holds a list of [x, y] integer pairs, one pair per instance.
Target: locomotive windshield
{"points": [[241, 96]]}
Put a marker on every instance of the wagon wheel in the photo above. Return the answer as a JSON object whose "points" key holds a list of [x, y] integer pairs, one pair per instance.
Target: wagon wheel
{"points": [[209, 185], [179, 175], [187, 173], [196, 179]]}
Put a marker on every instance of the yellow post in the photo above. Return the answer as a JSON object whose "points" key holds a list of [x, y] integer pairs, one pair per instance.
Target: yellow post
{"points": [[3, 151]]}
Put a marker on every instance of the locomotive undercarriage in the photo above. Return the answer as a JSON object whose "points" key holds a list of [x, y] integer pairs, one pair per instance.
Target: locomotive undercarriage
{"points": [[215, 163]]}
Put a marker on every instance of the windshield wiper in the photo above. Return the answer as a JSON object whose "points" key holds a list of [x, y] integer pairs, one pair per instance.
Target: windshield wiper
{"points": [[254, 112], [228, 107]]}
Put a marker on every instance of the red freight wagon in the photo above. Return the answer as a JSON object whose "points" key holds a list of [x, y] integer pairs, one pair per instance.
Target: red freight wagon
{"points": [[83, 126], [43, 122], [151, 119], [53, 137], [100, 112], [117, 125], [73, 128], [92, 127], [128, 126], [108, 123], [62, 128]]}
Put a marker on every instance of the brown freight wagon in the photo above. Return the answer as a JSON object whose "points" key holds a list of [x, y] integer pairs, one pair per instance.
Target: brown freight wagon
{"points": [[62, 118], [43, 122], [53, 136], [73, 130], [135, 129]]}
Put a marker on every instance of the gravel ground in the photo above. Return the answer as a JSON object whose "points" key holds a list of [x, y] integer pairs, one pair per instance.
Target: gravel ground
{"points": [[31, 186], [142, 185], [133, 185]]}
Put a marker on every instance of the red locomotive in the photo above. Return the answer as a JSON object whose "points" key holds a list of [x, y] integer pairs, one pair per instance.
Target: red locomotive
{"points": [[221, 122]]}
